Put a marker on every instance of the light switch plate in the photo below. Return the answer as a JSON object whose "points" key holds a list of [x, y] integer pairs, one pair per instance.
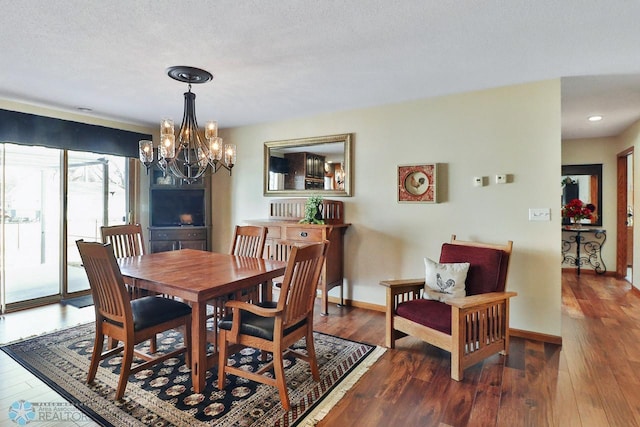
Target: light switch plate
{"points": [[539, 214], [501, 179]]}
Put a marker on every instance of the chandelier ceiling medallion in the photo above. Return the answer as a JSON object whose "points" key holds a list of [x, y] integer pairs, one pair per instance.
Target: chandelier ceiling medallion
{"points": [[188, 155]]}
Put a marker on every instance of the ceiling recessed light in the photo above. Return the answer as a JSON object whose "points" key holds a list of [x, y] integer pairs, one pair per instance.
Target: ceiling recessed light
{"points": [[594, 118], [85, 109]]}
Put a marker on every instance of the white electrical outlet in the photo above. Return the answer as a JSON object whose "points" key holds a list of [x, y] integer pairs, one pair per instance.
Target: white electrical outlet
{"points": [[501, 179], [477, 181], [539, 214]]}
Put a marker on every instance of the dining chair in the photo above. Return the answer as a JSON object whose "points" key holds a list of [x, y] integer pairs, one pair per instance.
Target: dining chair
{"points": [[125, 320], [248, 241], [126, 240], [280, 250], [275, 326]]}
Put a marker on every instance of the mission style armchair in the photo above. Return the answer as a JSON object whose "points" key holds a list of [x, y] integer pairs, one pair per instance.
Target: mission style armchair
{"points": [[471, 327]]}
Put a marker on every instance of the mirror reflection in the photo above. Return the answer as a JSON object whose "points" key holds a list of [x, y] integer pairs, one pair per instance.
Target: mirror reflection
{"points": [[583, 182], [306, 166]]}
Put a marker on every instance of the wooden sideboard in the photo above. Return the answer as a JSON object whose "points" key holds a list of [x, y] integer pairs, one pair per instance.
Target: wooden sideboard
{"points": [[285, 231]]}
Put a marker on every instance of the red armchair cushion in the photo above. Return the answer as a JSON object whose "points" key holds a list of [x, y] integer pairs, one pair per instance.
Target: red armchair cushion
{"points": [[488, 270], [433, 314]]}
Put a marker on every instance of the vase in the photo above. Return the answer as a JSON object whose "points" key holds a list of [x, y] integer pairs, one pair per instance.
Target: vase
{"points": [[575, 224], [318, 215]]}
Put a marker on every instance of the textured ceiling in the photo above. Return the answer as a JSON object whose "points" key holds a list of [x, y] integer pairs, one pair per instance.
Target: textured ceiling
{"points": [[279, 59]]}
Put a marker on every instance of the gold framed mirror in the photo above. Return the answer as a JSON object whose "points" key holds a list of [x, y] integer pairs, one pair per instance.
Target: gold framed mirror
{"points": [[301, 167]]}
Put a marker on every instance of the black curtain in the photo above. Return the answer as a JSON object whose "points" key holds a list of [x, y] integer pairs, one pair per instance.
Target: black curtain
{"points": [[29, 129]]}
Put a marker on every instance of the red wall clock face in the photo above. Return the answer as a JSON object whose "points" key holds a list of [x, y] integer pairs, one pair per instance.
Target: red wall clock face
{"points": [[417, 183]]}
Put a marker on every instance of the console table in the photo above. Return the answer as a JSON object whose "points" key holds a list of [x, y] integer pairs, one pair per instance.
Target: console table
{"points": [[285, 231], [582, 247]]}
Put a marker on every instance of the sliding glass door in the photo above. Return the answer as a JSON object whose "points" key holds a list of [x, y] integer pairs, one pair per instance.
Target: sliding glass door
{"points": [[30, 193], [32, 186], [96, 196]]}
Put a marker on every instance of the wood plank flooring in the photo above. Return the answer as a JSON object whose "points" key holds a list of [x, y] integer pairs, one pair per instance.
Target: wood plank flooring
{"points": [[592, 380]]}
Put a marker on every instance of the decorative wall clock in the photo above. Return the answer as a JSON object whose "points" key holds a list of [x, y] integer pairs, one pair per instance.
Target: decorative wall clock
{"points": [[417, 183]]}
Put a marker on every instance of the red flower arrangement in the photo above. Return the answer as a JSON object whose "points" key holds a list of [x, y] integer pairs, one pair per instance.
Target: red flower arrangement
{"points": [[577, 210]]}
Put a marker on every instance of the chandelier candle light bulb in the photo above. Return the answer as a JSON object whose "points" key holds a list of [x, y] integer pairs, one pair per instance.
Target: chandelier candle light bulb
{"points": [[146, 152]]}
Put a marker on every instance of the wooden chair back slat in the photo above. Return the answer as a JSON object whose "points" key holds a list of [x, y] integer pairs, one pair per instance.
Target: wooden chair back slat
{"points": [[126, 240], [300, 282], [281, 249], [110, 296], [249, 241]]}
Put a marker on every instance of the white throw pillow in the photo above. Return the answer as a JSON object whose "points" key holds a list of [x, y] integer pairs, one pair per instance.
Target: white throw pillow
{"points": [[444, 281]]}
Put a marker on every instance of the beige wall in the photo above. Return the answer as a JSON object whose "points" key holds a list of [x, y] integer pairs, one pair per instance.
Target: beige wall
{"points": [[599, 150], [512, 130]]}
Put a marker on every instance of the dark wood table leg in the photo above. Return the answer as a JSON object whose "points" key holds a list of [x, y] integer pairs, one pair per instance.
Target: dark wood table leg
{"points": [[198, 345]]}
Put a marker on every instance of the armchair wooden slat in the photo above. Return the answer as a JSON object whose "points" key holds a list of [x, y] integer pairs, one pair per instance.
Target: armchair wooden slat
{"points": [[479, 322]]}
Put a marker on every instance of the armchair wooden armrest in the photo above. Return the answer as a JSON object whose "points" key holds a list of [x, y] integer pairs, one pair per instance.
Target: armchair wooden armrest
{"points": [[396, 283], [398, 291], [475, 300], [408, 288], [253, 308]]}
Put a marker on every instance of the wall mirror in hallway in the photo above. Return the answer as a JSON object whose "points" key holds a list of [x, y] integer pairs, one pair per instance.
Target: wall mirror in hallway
{"points": [[583, 182]]}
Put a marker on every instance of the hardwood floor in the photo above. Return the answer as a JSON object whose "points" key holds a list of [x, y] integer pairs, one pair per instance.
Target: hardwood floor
{"points": [[592, 380], [19, 384]]}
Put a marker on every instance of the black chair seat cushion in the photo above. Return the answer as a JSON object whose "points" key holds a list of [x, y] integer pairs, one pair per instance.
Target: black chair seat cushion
{"points": [[153, 310], [430, 313], [257, 326]]}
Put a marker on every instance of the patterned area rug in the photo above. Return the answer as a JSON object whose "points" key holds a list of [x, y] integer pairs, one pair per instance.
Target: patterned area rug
{"points": [[163, 396]]}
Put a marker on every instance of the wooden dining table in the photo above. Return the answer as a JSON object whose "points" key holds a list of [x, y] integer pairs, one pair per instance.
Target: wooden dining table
{"points": [[196, 277]]}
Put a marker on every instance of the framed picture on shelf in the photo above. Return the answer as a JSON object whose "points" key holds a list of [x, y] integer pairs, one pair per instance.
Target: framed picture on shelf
{"points": [[417, 183]]}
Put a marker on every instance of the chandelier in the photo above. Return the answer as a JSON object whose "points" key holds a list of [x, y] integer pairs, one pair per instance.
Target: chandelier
{"points": [[190, 153]]}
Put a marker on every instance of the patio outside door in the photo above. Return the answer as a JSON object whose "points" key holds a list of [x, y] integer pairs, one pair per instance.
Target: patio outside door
{"points": [[31, 226], [96, 196], [30, 189]]}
